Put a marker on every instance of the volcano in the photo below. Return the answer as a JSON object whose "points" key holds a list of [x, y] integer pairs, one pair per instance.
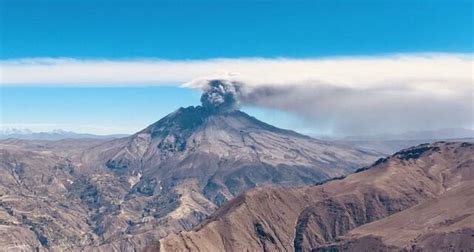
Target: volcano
{"points": [[226, 153], [178, 170]]}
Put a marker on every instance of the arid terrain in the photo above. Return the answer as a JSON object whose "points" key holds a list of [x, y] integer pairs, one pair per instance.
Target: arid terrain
{"points": [[419, 199], [58, 195], [236, 126]]}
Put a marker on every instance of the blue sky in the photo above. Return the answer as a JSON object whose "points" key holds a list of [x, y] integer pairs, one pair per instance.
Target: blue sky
{"points": [[209, 29], [200, 30]]}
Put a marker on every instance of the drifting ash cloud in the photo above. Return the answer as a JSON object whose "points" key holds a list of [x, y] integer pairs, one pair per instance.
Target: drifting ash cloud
{"points": [[351, 110], [350, 95]]}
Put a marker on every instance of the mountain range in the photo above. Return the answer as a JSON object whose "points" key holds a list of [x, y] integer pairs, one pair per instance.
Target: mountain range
{"points": [[126, 193], [439, 134], [388, 144], [57, 134], [385, 144]]}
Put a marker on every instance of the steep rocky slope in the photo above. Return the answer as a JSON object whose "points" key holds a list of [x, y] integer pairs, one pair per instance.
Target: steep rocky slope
{"points": [[445, 223], [419, 198]]}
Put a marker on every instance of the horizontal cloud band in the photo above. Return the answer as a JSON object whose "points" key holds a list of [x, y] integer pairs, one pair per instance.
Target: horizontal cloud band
{"points": [[342, 71], [350, 95]]}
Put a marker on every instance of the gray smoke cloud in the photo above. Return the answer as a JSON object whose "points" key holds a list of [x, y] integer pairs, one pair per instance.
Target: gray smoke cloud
{"points": [[393, 108], [355, 111], [221, 95]]}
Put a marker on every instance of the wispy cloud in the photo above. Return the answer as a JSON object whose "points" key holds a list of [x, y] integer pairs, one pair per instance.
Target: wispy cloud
{"points": [[348, 94]]}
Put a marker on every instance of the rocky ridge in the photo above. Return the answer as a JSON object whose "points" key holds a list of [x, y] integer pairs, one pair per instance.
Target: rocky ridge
{"points": [[418, 199]]}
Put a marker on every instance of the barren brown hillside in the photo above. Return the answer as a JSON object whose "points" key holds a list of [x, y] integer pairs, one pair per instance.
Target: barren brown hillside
{"points": [[419, 198]]}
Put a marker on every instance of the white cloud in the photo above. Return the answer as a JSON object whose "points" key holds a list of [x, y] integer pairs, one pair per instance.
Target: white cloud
{"points": [[359, 72], [350, 95]]}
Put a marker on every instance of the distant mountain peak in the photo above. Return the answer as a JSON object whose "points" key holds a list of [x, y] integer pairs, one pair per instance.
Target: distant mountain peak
{"points": [[10, 131], [56, 134]]}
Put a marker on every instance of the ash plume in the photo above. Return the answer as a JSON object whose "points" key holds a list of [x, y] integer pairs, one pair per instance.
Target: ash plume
{"points": [[221, 95], [329, 106]]}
